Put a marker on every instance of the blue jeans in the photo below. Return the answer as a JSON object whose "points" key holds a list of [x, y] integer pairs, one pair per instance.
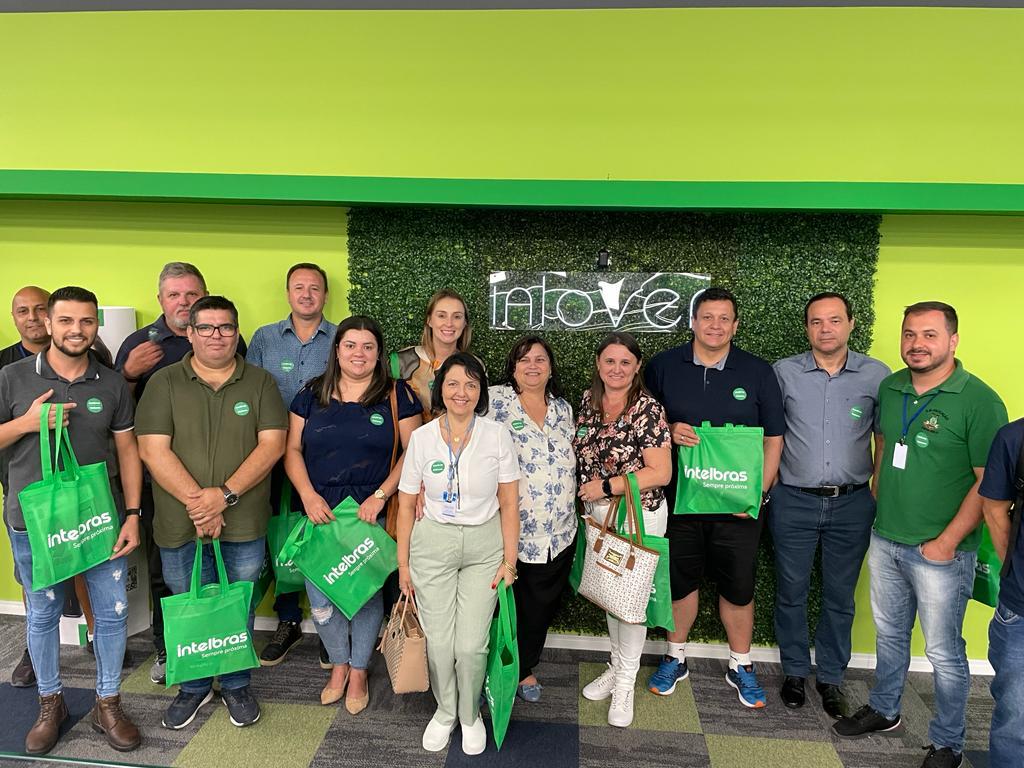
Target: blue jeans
{"points": [[335, 630], [243, 561], [798, 521], [109, 601], [904, 583], [1006, 653]]}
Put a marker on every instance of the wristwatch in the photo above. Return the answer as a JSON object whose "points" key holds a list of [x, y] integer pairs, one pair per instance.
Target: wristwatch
{"points": [[133, 512], [606, 486], [379, 494], [230, 497]]}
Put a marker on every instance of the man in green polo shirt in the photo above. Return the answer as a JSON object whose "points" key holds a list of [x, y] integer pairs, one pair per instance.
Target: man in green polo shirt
{"points": [[937, 422], [210, 429]]}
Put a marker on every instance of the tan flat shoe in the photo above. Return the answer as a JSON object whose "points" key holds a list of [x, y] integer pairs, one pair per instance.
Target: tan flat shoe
{"points": [[355, 706], [330, 695]]}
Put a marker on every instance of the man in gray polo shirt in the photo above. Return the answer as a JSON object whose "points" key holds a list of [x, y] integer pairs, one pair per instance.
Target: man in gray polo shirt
{"points": [[830, 394], [293, 351], [97, 406]]}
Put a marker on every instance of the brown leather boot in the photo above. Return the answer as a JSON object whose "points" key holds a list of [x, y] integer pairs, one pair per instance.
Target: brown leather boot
{"points": [[43, 735], [110, 720]]}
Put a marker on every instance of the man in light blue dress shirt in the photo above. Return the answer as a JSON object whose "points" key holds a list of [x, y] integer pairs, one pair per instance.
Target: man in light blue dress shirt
{"points": [[293, 351], [830, 395]]}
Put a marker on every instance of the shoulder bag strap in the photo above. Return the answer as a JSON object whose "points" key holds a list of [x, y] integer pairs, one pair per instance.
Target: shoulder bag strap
{"points": [[391, 516]]}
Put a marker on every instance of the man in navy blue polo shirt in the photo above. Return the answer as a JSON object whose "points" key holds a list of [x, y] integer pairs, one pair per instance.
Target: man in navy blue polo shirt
{"points": [[1006, 632], [152, 348], [710, 379]]}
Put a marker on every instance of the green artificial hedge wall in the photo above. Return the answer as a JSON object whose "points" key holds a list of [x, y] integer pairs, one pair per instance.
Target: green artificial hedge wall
{"points": [[772, 262]]}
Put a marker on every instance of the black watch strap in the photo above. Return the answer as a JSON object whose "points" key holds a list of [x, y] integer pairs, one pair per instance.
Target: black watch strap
{"points": [[606, 486], [133, 512]]}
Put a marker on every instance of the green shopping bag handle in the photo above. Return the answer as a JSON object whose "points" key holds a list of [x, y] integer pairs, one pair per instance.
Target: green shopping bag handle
{"points": [[285, 507], [297, 537], [197, 570], [49, 463], [506, 614], [632, 488]]}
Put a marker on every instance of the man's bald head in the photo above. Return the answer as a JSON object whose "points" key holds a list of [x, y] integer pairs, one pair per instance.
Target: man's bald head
{"points": [[28, 308]]}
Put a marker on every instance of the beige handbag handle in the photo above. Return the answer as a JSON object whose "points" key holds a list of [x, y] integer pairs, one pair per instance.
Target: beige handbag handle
{"points": [[632, 525]]}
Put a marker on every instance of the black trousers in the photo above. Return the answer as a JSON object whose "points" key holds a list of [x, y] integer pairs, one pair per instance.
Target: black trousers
{"points": [[538, 592], [157, 588]]}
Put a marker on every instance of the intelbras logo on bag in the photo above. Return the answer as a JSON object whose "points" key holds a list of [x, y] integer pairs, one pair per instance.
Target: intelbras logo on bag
{"points": [[713, 477], [350, 560], [83, 533], [219, 644]]}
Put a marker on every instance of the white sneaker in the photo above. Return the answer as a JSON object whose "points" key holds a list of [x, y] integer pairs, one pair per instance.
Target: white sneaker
{"points": [[620, 713], [474, 737], [600, 688], [436, 736]]}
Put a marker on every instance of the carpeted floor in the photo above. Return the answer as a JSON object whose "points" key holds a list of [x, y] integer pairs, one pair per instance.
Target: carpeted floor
{"points": [[701, 724]]}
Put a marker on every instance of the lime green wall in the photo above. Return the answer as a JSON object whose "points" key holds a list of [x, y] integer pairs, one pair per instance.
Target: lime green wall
{"points": [[975, 263], [835, 94], [117, 250]]}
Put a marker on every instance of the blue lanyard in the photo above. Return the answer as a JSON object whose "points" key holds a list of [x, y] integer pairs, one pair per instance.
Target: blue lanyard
{"points": [[907, 422], [453, 458]]}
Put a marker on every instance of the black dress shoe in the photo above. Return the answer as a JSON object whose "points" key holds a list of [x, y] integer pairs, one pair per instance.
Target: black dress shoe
{"points": [[793, 692], [23, 675], [833, 700]]}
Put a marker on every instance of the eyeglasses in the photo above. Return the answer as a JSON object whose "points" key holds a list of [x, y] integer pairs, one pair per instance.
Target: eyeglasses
{"points": [[225, 329]]}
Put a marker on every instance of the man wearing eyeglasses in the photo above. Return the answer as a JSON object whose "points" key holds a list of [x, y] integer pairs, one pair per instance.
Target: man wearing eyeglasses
{"points": [[210, 429], [154, 347]]}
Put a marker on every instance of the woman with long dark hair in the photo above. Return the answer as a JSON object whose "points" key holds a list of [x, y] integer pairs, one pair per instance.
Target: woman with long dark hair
{"points": [[621, 428], [340, 441]]}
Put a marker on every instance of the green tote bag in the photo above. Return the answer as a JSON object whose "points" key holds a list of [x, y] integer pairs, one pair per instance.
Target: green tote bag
{"points": [[722, 474], [347, 559], [206, 630], [502, 664], [287, 576], [70, 515], [986, 571]]}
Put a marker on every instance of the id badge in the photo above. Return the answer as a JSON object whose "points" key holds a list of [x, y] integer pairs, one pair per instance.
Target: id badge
{"points": [[448, 508], [899, 455]]}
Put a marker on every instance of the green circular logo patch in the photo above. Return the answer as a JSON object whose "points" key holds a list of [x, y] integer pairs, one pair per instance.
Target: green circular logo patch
{"points": [[242, 408], [739, 393], [518, 424], [376, 419], [430, 384], [856, 413], [287, 366], [437, 467], [581, 432], [921, 439], [94, 405]]}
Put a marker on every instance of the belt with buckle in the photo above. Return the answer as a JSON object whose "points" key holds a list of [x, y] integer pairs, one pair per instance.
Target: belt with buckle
{"points": [[832, 491]]}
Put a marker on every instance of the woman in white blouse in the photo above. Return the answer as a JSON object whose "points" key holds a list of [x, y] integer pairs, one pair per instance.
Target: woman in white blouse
{"points": [[466, 542], [541, 424]]}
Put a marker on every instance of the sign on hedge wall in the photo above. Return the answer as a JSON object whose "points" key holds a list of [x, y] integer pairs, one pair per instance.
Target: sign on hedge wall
{"points": [[657, 302]]}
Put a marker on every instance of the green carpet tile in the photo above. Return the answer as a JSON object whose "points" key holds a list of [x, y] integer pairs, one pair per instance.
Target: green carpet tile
{"points": [[745, 751], [677, 712]]}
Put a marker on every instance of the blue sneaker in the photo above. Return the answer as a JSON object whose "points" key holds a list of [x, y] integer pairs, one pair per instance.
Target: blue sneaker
{"points": [[750, 692], [670, 671]]}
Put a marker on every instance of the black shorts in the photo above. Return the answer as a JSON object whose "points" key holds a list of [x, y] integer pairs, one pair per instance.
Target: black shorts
{"points": [[722, 549]]}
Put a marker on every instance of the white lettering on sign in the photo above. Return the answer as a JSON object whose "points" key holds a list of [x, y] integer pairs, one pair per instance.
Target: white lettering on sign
{"points": [[599, 301]]}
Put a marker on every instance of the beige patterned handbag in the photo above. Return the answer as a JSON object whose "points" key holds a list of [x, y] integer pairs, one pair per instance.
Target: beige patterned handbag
{"points": [[405, 648], [618, 571]]}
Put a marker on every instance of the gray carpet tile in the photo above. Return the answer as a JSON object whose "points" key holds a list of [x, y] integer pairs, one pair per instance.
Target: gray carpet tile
{"points": [[603, 747], [377, 738]]}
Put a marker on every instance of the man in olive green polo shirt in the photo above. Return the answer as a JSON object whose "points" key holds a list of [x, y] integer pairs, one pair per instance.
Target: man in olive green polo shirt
{"points": [[937, 423], [210, 430]]}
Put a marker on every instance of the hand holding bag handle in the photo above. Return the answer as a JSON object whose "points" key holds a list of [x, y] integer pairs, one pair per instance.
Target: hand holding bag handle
{"points": [[634, 532]]}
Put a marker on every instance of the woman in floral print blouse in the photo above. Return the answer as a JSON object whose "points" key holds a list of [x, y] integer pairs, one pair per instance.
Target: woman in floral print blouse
{"points": [[540, 422], [621, 428]]}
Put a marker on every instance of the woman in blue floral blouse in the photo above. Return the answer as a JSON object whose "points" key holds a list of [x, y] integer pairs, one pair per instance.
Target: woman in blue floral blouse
{"points": [[541, 424]]}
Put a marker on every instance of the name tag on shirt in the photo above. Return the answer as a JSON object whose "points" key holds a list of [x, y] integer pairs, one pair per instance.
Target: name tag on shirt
{"points": [[899, 455]]}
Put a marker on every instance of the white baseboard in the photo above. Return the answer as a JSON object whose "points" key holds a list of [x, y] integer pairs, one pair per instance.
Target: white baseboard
{"points": [[594, 643]]}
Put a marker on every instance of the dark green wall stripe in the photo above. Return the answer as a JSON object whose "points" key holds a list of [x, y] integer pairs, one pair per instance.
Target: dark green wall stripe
{"points": [[532, 193]]}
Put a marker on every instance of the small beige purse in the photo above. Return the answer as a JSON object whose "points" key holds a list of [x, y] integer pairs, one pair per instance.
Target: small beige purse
{"points": [[404, 646], [618, 571]]}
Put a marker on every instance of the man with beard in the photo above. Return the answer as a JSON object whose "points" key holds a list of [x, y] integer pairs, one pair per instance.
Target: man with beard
{"points": [[937, 422], [28, 308], [66, 373]]}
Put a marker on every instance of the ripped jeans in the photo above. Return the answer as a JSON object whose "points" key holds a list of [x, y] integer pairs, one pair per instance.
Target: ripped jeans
{"points": [[347, 642], [109, 600]]}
